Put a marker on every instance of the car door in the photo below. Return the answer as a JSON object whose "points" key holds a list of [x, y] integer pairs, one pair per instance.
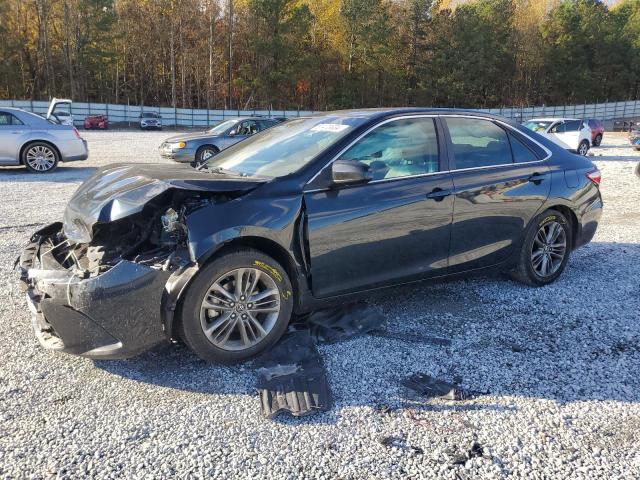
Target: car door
{"points": [[566, 133], [495, 197], [396, 227], [12, 137]]}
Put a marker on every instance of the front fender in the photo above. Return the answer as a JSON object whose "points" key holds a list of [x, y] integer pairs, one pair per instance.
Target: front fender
{"points": [[215, 225]]}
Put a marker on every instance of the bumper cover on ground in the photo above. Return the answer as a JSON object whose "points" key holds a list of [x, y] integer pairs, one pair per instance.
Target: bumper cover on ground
{"points": [[116, 314]]}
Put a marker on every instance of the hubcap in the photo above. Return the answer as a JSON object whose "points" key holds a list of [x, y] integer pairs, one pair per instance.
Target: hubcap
{"points": [[207, 154], [240, 309], [41, 158], [583, 149], [549, 249]]}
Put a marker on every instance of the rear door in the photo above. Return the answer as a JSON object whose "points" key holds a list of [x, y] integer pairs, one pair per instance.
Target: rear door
{"points": [[12, 136], [396, 227], [495, 197]]}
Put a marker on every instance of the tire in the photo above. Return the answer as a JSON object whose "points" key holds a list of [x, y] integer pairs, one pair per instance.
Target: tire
{"points": [[637, 170], [40, 157], [205, 153], [529, 267], [223, 274], [637, 149], [583, 148], [598, 140]]}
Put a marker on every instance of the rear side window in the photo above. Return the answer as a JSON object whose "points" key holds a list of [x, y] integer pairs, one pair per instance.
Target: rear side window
{"points": [[521, 153], [9, 119], [478, 143], [573, 125], [400, 148]]}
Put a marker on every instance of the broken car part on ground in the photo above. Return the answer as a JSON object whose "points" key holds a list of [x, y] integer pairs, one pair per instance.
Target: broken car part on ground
{"points": [[301, 216]]}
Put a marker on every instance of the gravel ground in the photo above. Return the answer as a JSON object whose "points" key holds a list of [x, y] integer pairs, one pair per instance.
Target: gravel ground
{"points": [[559, 366]]}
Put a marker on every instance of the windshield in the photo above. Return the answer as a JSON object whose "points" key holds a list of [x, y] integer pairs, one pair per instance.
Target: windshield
{"points": [[537, 125], [222, 127], [285, 148], [149, 115]]}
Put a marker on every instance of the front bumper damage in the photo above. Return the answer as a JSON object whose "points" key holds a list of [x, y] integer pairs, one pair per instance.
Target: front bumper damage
{"points": [[115, 314]]}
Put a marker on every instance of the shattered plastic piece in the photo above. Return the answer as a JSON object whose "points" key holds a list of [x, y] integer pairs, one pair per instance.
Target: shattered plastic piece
{"points": [[340, 323], [400, 443], [292, 378], [476, 451], [432, 387]]}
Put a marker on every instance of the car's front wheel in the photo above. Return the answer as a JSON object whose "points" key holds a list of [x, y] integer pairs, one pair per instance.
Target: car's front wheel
{"points": [[545, 250], [40, 157], [583, 148], [237, 306], [205, 153]]}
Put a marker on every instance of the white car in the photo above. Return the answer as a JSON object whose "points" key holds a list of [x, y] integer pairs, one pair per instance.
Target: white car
{"points": [[570, 133], [60, 109]]}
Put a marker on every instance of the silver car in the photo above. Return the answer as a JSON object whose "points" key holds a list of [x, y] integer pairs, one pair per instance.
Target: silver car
{"points": [[201, 146], [37, 143]]}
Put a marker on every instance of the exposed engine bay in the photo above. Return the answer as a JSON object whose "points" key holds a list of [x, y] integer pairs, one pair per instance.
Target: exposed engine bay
{"points": [[153, 237]]}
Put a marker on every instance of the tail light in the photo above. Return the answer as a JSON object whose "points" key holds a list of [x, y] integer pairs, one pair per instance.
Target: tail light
{"points": [[77, 133], [595, 176]]}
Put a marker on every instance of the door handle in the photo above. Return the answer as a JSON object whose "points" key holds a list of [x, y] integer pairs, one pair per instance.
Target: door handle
{"points": [[438, 194], [537, 178]]}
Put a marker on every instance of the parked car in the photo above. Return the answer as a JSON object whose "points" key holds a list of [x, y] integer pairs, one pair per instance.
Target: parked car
{"points": [[623, 125], [96, 121], [303, 215], [37, 143], [60, 110], [570, 133], [634, 137], [201, 146], [150, 120], [597, 131]]}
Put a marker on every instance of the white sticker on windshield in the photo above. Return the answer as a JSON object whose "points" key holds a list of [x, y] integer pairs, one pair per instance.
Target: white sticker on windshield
{"points": [[329, 127]]}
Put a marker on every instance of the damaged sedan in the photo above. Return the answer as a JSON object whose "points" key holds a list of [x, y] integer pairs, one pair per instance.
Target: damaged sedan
{"points": [[300, 216]]}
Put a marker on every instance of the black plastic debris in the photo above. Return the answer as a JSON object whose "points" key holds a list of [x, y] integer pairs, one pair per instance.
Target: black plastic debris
{"points": [[434, 388], [400, 443], [476, 451], [292, 378], [332, 325]]}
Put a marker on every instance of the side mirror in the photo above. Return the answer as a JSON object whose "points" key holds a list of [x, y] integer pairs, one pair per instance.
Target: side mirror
{"points": [[350, 172], [232, 132]]}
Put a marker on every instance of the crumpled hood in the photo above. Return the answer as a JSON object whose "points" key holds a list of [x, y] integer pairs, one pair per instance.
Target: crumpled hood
{"points": [[121, 190], [190, 136]]}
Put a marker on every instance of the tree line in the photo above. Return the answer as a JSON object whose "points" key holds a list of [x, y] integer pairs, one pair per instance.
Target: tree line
{"points": [[320, 54]]}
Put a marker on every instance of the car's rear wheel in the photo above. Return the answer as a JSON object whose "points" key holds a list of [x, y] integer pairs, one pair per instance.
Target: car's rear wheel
{"points": [[545, 250], [598, 140], [40, 157], [583, 148], [205, 153], [237, 306]]}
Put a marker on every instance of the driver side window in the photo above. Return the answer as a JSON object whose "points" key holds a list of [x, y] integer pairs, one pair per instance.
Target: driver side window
{"points": [[557, 128], [400, 148]]}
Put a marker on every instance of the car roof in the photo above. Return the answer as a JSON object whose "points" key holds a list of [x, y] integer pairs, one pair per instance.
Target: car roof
{"points": [[25, 115], [553, 119], [377, 113]]}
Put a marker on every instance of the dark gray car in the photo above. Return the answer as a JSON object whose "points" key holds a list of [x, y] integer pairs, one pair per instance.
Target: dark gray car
{"points": [[201, 146]]}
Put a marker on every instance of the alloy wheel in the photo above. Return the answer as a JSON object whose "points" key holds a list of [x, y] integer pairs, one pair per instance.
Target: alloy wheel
{"points": [[549, 249], [41, 158], [240, 309], [583, 149]]}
